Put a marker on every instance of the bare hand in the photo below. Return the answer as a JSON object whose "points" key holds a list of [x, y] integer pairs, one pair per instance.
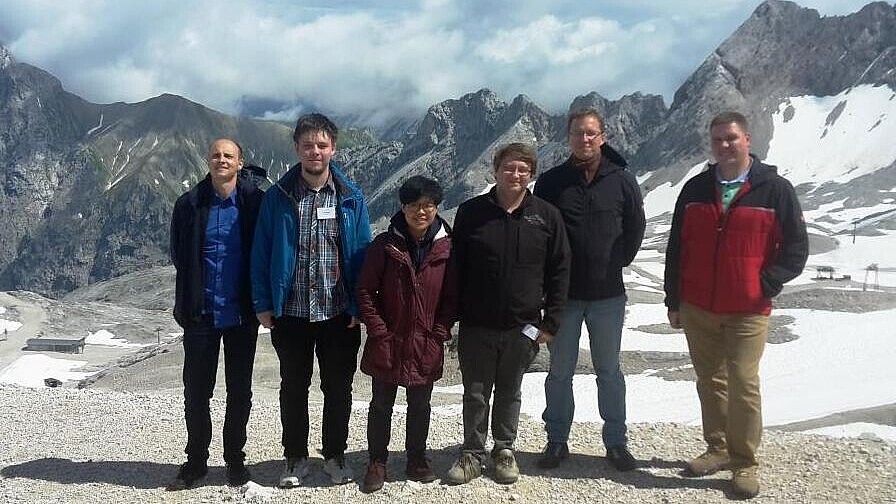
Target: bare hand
{"points": [[674, 319], [544, 337], [353, 323], [266, 319]]}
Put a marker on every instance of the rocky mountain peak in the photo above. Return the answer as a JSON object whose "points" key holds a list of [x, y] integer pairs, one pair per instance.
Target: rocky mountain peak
{"points": [[442, 118]]}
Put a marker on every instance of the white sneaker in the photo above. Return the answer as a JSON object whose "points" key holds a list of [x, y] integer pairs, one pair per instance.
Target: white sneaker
{"points": [[338, 472], [294, 472]]}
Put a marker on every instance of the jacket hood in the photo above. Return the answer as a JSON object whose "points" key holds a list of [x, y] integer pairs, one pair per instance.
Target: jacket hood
{"points": [[613, 156]]}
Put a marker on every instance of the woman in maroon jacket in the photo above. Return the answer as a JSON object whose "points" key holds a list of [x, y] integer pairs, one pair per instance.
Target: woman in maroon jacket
{"points": [[406, 303]]}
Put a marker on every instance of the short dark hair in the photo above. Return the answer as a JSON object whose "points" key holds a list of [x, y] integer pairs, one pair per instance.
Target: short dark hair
{"points": [[315, 122], [418, 187], [730, 117], [516, 151], [583, 112]]}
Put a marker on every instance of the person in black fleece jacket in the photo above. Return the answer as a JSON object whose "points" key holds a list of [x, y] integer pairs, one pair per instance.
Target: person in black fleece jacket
{"points": [[512, 260]]}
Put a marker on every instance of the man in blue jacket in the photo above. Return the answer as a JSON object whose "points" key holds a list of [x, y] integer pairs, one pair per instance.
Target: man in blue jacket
{"points": [[310, 241], [604, 216], [211, 242]]}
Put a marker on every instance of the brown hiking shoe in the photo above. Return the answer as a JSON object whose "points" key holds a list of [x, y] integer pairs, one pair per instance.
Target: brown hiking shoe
{"points": [[375, 477], [467, 468], [745, 482], [506, 469], [708, 463], [418, 469]]}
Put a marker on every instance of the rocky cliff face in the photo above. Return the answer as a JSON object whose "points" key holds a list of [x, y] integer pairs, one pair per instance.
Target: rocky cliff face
{"points": [[782, 50], [86, 190]]}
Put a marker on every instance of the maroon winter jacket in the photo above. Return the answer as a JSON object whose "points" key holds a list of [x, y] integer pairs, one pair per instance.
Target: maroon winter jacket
{"points": [[735, 261], [407, 312]]}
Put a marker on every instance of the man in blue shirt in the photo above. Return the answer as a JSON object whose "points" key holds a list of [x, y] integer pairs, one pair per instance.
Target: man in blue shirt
{"points": [[212, 228]]}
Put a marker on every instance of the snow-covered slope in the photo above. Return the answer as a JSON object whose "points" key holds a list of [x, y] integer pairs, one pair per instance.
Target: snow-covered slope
{"points": [[838, 138]]}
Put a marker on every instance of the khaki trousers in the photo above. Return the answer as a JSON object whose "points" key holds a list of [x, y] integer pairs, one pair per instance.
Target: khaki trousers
{"points": [[725, 351]]}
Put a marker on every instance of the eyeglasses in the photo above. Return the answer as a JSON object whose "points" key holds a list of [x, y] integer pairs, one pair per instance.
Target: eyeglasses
{"points": [[428, 207], [522, 172], [588, 134]]}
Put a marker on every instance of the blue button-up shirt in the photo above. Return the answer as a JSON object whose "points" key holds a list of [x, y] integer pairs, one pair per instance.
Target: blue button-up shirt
{"points": [[222, 256]]}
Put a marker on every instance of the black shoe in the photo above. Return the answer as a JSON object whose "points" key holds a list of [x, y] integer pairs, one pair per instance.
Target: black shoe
{"points": [[621, 458], [188, 474], [553, 454], [237, 474]]}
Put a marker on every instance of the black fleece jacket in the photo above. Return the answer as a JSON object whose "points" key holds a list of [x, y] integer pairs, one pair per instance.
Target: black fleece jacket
{"points": [[604, 222], [510, 266]]}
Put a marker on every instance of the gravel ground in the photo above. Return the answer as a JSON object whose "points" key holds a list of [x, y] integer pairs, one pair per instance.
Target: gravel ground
{"points": [[68, 445]]}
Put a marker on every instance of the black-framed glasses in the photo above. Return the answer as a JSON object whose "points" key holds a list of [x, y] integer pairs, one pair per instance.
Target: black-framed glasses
{"points": [[428, 207]]}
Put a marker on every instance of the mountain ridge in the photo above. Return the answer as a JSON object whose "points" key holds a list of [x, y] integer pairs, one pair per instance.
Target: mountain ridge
{"points": [[87, 189]]}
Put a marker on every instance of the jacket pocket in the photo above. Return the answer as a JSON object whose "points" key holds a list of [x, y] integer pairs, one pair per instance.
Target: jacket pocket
{"points": [[431, 356], [377, 360]]}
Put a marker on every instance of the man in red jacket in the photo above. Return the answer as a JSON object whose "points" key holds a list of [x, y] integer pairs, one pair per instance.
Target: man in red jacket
{"points": [[737, 236]]}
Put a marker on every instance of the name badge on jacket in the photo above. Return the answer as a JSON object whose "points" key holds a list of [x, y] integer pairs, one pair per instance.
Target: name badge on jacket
{"points": [[326, 213]]}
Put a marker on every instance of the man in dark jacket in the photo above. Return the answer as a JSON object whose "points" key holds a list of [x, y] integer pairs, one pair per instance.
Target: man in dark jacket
{"points": [[604, 215], [737, 236], [512, 262], [211, 242]]}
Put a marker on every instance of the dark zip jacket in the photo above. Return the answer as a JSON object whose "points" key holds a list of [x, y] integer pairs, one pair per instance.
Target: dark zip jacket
{"points": [[604, 222], [188, 223], [735, 261], [512, 266]]}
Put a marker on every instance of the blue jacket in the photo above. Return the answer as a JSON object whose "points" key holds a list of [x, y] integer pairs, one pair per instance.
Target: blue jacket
{"points": [[274, 247]]}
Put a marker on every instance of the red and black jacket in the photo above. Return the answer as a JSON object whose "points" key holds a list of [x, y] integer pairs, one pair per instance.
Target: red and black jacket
{"points": [[735, 261]]}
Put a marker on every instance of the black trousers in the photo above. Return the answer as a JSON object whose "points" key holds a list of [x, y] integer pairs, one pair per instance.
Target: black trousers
{"points": [[202, 343], [379, 420], [492, 358], [296, 341]]}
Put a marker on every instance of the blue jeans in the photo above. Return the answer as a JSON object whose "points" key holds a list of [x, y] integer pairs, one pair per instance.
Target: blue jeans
{"points": [[604, 319]]}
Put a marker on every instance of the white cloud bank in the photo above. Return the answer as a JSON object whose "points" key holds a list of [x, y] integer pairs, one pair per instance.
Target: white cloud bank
{"points": [[363, 56]]}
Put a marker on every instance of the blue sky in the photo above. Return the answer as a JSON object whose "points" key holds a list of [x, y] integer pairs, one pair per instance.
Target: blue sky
{"points": [[398, 56]]}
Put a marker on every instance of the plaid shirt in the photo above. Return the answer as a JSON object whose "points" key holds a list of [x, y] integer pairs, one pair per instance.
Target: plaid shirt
{"points": [[318, 292]]}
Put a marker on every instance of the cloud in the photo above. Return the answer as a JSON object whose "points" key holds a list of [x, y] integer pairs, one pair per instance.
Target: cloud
{"points": [[362, 56]]}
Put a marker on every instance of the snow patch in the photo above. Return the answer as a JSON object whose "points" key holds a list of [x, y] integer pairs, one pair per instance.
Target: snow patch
{"points": [[812, 146], [30, 370], [98, 126], [858, 430], [105, 338], [662, 198], [9, 325]]}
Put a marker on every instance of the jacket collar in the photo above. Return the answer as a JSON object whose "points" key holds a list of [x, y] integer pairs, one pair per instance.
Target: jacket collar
{"points": [[344, 188], [438, 229], [493, 199], [759, 171], [201, 194], [611, 161]]}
